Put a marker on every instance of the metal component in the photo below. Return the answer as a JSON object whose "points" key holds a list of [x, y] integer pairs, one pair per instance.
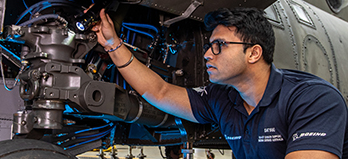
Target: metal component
{"points": [[49, 114], [335, 66], [321, 57], [22, 123], [92, 68], [163, 121], [301, 14], [140, 111], [178, 7], [2, 14], [130, 155], [10, 57], [290, 34], [337, 5], [101, 154], [134, 48], [29, 87], [113, 152], [272, 13], [3, 74], [61, 45], [188, 150], [141, 153], [193, 6], [179, 72]]}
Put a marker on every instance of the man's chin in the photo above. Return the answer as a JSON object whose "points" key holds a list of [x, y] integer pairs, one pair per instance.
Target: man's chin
{"points": [[213, 80]]}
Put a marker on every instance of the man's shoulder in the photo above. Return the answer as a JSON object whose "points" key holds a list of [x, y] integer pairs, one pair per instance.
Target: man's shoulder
{"points": [[302, 84], [297, 77]]}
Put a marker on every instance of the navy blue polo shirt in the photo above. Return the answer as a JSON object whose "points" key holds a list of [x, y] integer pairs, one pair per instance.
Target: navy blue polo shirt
{"points": [[298, 111]]}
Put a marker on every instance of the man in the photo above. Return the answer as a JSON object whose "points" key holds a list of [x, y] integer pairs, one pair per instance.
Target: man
{"points": [[263, 112]]}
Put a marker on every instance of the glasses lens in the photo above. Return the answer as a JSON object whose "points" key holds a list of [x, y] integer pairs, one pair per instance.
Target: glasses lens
{"points": [[215, 46]]}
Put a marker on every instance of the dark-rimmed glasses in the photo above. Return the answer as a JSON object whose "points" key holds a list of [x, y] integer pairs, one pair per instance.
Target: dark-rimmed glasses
{"points": [[216, 45]]}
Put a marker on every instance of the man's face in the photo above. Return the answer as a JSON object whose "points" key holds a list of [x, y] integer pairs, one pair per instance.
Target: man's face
{"points": [[228, 66]]}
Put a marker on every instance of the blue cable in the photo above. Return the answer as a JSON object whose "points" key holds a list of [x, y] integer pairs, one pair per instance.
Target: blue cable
{"points": [[46, 16], [94, 135], [22, 15], [138, 31], [141, 26], [14, 55], [29, 10], [25, 5], [95, 128], [36, 10], [82, 143], [146, 26], [39, 5], [89, 140]]}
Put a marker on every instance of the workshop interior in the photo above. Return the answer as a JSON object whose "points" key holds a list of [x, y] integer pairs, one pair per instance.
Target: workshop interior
{"points": [[62, 95]]}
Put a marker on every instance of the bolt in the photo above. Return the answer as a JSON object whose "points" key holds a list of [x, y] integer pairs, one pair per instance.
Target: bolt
{"points": [[36, 74], [179, 72]]}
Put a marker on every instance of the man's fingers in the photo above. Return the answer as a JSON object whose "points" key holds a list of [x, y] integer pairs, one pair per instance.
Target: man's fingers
{"points": [[110, 20], [103, 15]]}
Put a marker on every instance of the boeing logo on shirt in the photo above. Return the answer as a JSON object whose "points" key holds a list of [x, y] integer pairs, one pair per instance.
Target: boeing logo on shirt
{"points": [[307, 134], [201, 90]]}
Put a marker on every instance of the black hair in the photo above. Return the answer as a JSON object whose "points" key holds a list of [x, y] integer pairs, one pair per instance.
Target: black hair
{"points": [[251, 26]]}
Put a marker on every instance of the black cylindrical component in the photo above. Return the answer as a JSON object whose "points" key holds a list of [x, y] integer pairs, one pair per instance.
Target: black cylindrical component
{"points": [[85, 21], [149, 115], [134, 109]]}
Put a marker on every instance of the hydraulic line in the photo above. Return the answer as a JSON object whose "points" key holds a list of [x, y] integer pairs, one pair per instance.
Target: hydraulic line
{"points": [[42, 5], [146, 26], [47, 16]]}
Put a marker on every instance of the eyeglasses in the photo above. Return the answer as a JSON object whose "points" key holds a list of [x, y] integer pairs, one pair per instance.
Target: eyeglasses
{"points": [[216, 46]]}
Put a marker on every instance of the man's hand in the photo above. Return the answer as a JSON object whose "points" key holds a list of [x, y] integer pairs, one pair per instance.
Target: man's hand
{"points": [[105, 31]]}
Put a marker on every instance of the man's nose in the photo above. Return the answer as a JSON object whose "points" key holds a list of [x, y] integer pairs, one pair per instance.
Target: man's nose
{"points": [[208, 55]]}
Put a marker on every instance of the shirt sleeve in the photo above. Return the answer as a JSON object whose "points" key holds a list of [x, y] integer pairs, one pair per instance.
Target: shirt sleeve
{"points": [[201, 103], [317, 120]]}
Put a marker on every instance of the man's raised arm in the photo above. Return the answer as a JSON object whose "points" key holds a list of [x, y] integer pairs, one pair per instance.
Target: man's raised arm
{"points": [[167, 97]]}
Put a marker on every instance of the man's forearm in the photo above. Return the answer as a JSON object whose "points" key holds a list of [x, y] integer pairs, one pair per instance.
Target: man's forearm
{"points": [[166, 97]]}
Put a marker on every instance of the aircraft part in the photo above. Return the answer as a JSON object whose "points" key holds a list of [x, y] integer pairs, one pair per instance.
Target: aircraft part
{"points": [[179, 7], [315, 39], [30, 148], [74, 97], [337, 5]]}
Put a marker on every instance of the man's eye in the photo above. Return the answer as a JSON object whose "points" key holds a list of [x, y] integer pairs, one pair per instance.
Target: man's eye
{"points": [[222, 43]]}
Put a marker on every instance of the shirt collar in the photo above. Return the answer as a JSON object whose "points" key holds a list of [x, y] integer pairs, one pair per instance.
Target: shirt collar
{"points": [[273, 86]]}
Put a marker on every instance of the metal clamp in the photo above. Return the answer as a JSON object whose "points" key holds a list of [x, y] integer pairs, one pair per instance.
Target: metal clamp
{"points": [[194, 5]]}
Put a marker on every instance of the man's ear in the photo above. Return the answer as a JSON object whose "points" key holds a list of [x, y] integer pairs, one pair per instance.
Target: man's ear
{"points": [[255, 53]]}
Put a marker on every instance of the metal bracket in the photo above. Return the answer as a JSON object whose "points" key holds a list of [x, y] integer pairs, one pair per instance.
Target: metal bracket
{"points": [[193, 6]]}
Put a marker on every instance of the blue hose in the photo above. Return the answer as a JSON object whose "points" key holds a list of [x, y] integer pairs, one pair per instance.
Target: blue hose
{"points": [[47, 16], [141, 26], [146, 26], [39, 5], [91, 140], [95, 128]]}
